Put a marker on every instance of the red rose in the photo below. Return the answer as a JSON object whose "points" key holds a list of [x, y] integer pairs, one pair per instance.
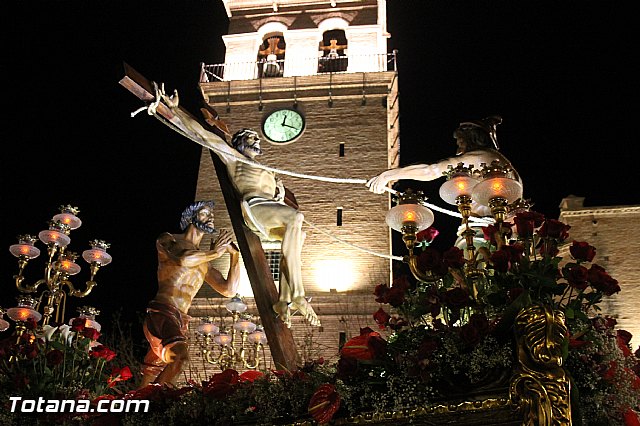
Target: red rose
{"points": [[552, 228], [324, 403], [119, 375], [78, 324], [577, 276], [91, 333], [500, 260], [582, 251], [489, 233], [430, 260], [623, 338], [526, 222], [456, 298], [380, 292], [381, 318], [470, 335], [610, 373], [54, 357], [103, 352], [427, 235], [395, 296], [602, 281], [481, 323], [515, 251], [30, 351], [454, 258], [427, 347], [549, 248]]}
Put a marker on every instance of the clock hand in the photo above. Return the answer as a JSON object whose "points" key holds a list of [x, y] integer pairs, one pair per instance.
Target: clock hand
{"points": [[286, 125], [284, 120]]}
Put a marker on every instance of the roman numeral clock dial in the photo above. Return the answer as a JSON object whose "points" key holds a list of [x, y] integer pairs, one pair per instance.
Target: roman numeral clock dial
{"points": [[283, 125]]}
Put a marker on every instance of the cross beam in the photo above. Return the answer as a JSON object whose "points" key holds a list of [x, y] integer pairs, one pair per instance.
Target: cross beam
{"points": [[280, 338]]}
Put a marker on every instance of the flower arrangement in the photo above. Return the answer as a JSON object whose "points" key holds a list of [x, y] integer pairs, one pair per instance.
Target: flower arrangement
{"points": [[437, 339], [454, 330], [58, 363]]}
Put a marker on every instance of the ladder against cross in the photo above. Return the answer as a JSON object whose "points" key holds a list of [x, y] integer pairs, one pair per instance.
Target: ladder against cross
{"points": [[280, 338]]}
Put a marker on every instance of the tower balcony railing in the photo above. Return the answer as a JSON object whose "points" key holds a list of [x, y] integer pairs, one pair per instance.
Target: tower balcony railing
{"points": [[293, 66]]}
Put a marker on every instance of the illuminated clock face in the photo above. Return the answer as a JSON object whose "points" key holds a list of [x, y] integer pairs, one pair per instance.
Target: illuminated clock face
{"points": [[283, 125]]}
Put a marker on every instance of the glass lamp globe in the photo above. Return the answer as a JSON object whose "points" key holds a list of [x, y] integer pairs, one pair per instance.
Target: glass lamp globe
{"points": [[497, 183], [68, 216], [258, 336], [222, 339], [56, 234], [244, 324], [68, 266], [25, 248], [4, 325], [460, 182], [208, 328], [25, 310], [236, 304], [98, 253], [409, 214]]}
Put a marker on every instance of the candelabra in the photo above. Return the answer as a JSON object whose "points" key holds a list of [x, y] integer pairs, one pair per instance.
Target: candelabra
{"points": [[493, 186], [59, 266], [240, 346]]}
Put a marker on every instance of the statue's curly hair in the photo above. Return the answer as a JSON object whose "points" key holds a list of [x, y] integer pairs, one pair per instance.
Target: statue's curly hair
{"points": [[479, 133], [190, 212], [239, 139]]}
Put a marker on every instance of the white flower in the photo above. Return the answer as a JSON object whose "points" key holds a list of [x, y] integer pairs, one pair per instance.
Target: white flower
{"points": [[67, 334], [47, 332]]}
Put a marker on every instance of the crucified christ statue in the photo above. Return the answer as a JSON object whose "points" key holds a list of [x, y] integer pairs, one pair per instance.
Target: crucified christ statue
{"points": [[263, 205]]}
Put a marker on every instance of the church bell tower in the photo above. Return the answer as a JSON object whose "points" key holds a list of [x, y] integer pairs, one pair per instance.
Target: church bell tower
{"points": [[316, 81]]}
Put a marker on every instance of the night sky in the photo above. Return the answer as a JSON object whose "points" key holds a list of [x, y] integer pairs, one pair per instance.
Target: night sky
{"points": [[563, 76]]}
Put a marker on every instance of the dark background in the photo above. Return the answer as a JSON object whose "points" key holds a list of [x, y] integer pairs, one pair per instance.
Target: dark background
{"points": [[563, 75]]}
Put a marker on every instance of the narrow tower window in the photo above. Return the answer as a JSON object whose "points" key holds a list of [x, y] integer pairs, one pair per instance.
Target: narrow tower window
{"points": [[339, 216], [341, 152]]}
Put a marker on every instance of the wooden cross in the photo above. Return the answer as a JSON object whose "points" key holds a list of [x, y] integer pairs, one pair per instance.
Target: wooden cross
{"points": [[281, 344]]}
